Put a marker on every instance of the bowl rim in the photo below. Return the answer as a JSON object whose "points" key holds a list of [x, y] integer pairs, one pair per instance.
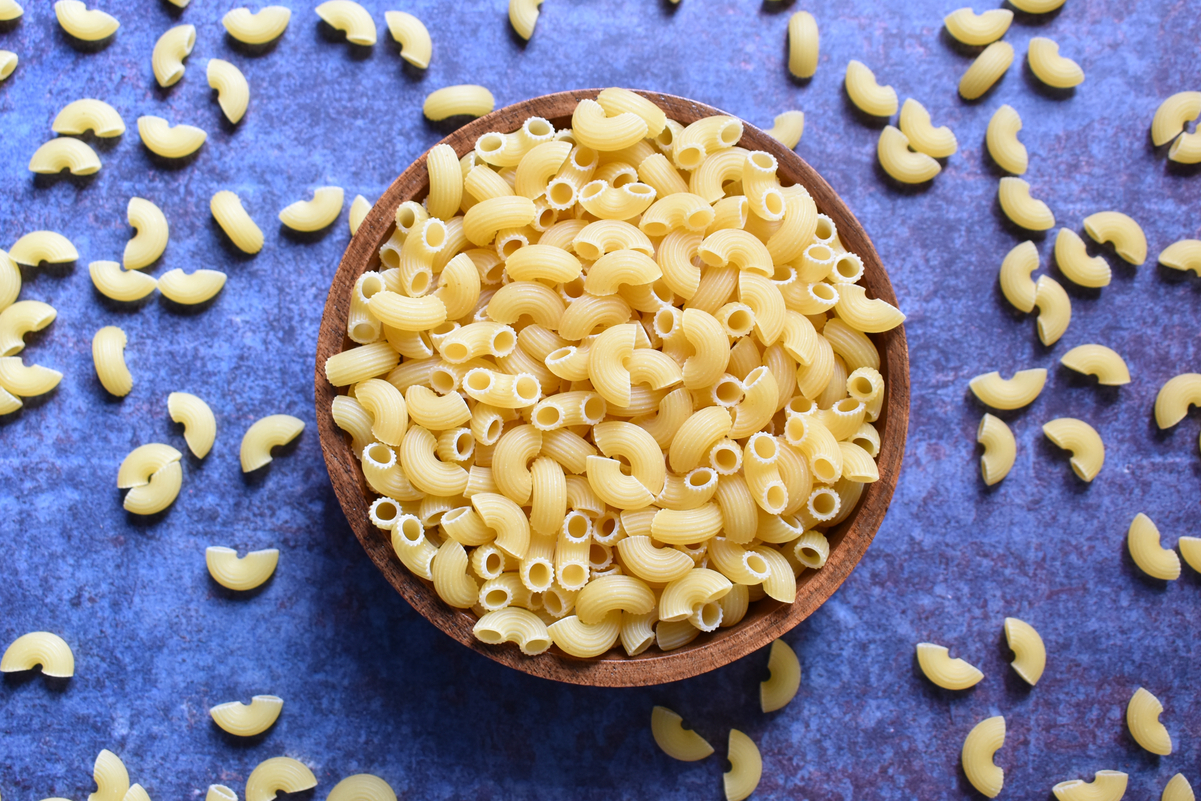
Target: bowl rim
{"points": [[767, 619]]}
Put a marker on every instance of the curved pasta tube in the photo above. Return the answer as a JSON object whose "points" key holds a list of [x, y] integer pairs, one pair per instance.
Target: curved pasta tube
{"points": [[90, 25], [644, 560], [608, 202], [1126, 235], [979, 748], [1000, 449], [785, 681], [1021, 208], [579, 639], [1174, 398], [278, 774], [350, 17], [21, 318], [923, 136], [219, 792], [8, 64], [227, 209], [358, 212], [523, 15], [674, 740], [986, 70], [592, 127], [746, 767], [452, 581], [410, 33], [65, 153], [245, 573], [678, 210], [233, 93], [867, 94], [257, 28], [513, 624], [1077, 436], [1107, 785], [900, 162], [684, 596], [1152, 558], [362, 787], [1109, 368], [864, 314], [43, 246], [1178, 789], [169, 52], [788, 127], [707, 136], [143, 462], [710, 352], [1075, 263], [1173, 114], [191, 289], [506, 517], [603, 595], [619, 101], [621, 267], [248, 720], [152, 230], [1029, 653], [978, 29], [315, 214], [484, 219], [167, 140], [108, 354], [804, 45], [89, 114], [736, 248], [10, 10], [1186, 149], [1054, 309], [1142, 718], [948, 673], [1002, 140], [453, 101], [26, 381], [1050, 67], [39, 648], [159, 493], [407, 314], [112, 779], [265, 434]]}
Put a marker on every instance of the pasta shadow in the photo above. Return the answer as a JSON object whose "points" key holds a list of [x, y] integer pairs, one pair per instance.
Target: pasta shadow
{"points": [[516, 38], [9, 25], [1033, 20], [1117, 265], [1014, 684], [1043, 90], [120, 306], [330, 34], [776, 6], [958, 47], [255, 478], [173, 11], [306, 237], [668, 8], [239, 596], [244, 743], [1059, 459], [251, 50], [1129, 568], [45, 181], [1176, 169], [142, 521], [1009, 226], [82, 45], [55, 684], [1015, 314], [1104, 395], [994, 169], [164, 163], [231, 251], [410, 71], [897, 187], [861, 116], [1170, 276], [187, 309]]}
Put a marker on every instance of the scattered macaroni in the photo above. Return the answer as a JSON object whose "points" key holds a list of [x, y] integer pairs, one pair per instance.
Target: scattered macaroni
{"points": [[108, 354], [788, 127], [278, 774], [88, 114], [152, 232], [416, 46], [1151, 557], [227, 209], [1173, 114], [1178, 789], [265, 434], [1054, 309], [923, 136], [1107, 785], [1019, 206], [1077, 436], [169, 52], [676, 741], [454, 101], [358, 212], [39, 648], [803, 44], [1174, 398], [350, 17], [1002, 140], [948, 673], [523, 15], [247, 720], [199, 424], [1029, 653], [900, 162], [1011, 393], [1098, 360], [867, 94], [746, 767], [233, 93], [986, 70], [1126, 235], [978, 29], [785, 680], [1000, 449], [245, 573], [266, 25], [315, 214], [112, 779], [1050, 67], [21, 318], [90, 25], [65, 153], [362, 787], [167, 140], [979, 749], [1142, 718], [1075, 263]]}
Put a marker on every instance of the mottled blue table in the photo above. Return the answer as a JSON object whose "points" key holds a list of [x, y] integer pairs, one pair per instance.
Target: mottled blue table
{"points": [[372, 687]]}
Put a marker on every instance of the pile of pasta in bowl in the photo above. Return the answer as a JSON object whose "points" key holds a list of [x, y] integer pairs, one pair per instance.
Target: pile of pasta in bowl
{"points": [[612, 382]]}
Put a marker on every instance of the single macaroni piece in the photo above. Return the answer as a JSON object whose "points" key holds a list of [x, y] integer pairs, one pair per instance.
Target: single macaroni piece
{"points": [[278, 774], [1011, 393], [10, 281], [523, 15], [1107, 785], [788, 127], [676, 741], [265, 434], [1175, 397], [867, 94], [169, 52], [1002, 140], [923, 136], [39, 648], [8, 64], [90, 25], [416, 47], [362, 787], [1000, 449], [10, 10], [43, 246], [1075, 263], [227, 209], [1054, 309], [1126, 235], [152, 232], [143, 462], [26, 381], [1077, 436], [247, 720], [453, 101], [803, 44], [746, 767], [1109, 368], [948, 673], [112, 779], [21, 318], [986, 70], [108, 354], [1173, 114], [582, 640], [258, 28], [903, 164], [513, 624], [1186, 149], [1142, 718], [153, 477], [170, 141], [241, 574], [1146, 551], [359, 207], [1182, 255], [864, 314], [315, 214], [1050, 67], [1178, 789], [1029, 653], [785, 680], [979, 749], [350, 17], [1024, 210], [199, 424], [190, 289], [88, 114], [1190, 549], [978, 29], [233, 93], [65, 153]]}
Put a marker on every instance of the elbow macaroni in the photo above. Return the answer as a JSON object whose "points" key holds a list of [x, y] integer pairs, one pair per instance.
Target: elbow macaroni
{"points": [[245, 573], [978, 29], [65, 153], [112, 779], [150, 241], [265, 434], [167, 140], [1021, 208], [89, 25], [1029, 652], [1126, 235], [986, 70], [674, 740], [257, 28], [867, 94], [1050, 67], [278, 774], [108, 355], [1152, 558], [39, 648], [237, 224], [410, 33], [169, 52], [1077, 436], [1142, 718], [454, 101], [948, 673], [1109, 368], [746, 767], [781, 688], [923, 136], [1000, 449], [1075, 263], [979, 747], [803, 44], [233, 92], [351, 18], [1002, 141], [248, 720], [191, 289], [903, 164], [1054, 309], [200, 426]]}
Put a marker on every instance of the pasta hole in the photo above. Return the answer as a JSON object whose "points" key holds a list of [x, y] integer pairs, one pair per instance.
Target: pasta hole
{"points": [[574, 575], [825, 228], [419, 284], [819, 253], [710, 616], [540, 575], [536, 645], [554, 604], [527, 388], [690, 156], [503, 342], [363, 332], [464, 445], [824, 503], [623, 179], [697, 219], [655, 229], [490, 636], [728, 392], [773, 202], [823, 468], [594, 409], [861, 387], [824, 292], [607, 526], [665, 323], [756, 563], [491, 143], [574, 289], [725, 458], [512, 245], [700, 478], [577, 527], [765, 448], [848, 266], [588, 251], [494, 563], [538, 127], [800, 405], [386, 511], [783, 274], [598, 554], [593, 190], [810, 555], [442, 382], [666, 137], [561, 194], [479, 380], [731, 133], [380, 455], [547, 417], [411, 529], [640, 189], [435, 234], [546, 218], [493, 430], [777, 496], [455, 351], [584, 157], [370, 284], [764, 161], [496, 598], [406, 217], [847, 406], [740, 322]]}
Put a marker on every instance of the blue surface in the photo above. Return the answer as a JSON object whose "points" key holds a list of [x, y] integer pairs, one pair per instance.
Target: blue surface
{"points": [[369, 686]]}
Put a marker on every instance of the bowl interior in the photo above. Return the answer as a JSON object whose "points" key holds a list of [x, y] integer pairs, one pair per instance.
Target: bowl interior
{"points": [[766, 619]]}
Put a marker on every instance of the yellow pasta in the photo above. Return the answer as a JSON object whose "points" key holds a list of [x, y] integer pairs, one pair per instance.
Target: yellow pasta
{"points": [[1107, 785], [65, 153], [867, 94], [359, 207], [788, 126], [19, 319], [410, 33], [923, 136], [169, 141], [42, 246], [703, 138], [785, 680], [39, 648], [803, 45], [746, 767], [111, 776], [592, 127], [156, 492], [227, 209], [1016, 284], [1054, 309], [905, 165], [1002, 140], [986, 70], [1142, 718], [351, 18], [514, 625], [1109, 368], [1000, 449], [1173, 114], [190, 289], [108, 355], [233, 92], [169, 52], [248, 720], [1077, 436], [948, 673], [10, 282], [1152, 558], [118, 284], [864, 314], [1178, 789], [1037, 6], [315, 214], [1050, 67], [676, 741], [978, 29], [278, 774], [453, 101], [979, 747], [257, 28], [523, 15], [8, 64], [10, 10], [362, 787], [583, 640], [89, 25], [267, 433], [1075, 263], [1126, 235], [152, 229], [1186, 149], [1021, 208], [245, 573], [1175, 397]]}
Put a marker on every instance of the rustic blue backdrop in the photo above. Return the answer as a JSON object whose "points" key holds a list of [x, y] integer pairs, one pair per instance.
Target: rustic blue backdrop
{"points": [[372, 687]]}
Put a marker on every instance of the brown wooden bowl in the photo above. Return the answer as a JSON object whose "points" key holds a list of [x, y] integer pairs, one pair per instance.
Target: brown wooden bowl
{"points": [[766, 620]]}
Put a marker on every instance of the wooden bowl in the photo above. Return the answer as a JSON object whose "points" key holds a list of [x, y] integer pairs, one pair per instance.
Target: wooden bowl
{"points": [[766, 620]]}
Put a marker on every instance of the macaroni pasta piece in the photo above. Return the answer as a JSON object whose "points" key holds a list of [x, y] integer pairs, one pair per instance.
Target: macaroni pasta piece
{"points": [[746, 767], [42, 246], [10, 10], [1075, 263], [1050, 67], [10, 281], [39, 648], [1178, 789], [923, 136], [200, 426], [350, 17], [513, 624], [315, 214], [1186, 149], [233, 93], [148, 244], [1142, 718], [410, 33], [1017, 286], [1173, 114], [8, 64], [979, 748], [1152, 558], [108, 354], [245, 573], [190, 289], [112, 779], [278, 774], [1126, 235], [257, 28], [864, 314], [19, 319], [90, 25], [1029, 653], [1107, 785], [787, 127], [1190, 549], [703, 138], [248, 720], [267, 433], [143, 462], [1182, 255], [1109, 368], [674, 740], [64, 153], [227, 209], [1002, 140], [26, 381], [803, 45], [601, 596], [453, 101], [986, 70], [1037, 6], [1077, 436], [137, 793], [1000, 449], [362, 787], [1021, 208], [358, 212], [903, 164], [582, 640], [160, 492], [785, 680], [1054, 309], [1175, 397], [592, 127], [948, 673], [169, 52], [167, 140], [523, 15], [89, 114], [978, 29], [867, 94]]}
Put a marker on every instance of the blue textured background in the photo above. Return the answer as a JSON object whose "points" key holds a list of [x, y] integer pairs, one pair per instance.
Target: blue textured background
{"points": [[371, 687]]}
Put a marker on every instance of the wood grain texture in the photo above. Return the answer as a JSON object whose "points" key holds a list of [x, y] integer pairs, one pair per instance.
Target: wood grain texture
{"points": [[766, 620]]}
